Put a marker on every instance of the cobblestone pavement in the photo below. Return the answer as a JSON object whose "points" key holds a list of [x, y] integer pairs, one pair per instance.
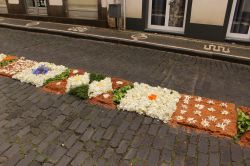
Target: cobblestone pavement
{"points": [[43, 129]]}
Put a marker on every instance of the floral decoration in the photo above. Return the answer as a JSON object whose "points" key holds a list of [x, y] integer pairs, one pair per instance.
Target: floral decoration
{"points": [[99, 87], [77, 81], [40, 73], [156, 102]]}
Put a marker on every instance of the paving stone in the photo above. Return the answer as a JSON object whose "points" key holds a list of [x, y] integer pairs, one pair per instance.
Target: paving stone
{"points": [[163, 131], [214, 159], [179, 161], [190, 161], [153, 129], [58, 121], [202, 159], [142, 153], [130, 154], [122, 148], [129, 135], [4, 147], [11, 151], [90, 146], [88, 134], [27, 159], [203, 145], [98, 134], [123, 127], [13, 159], [136, 123], [225, 155], [138, 140], [192, 150], [65, 160], [23, 132], [154, 157], [80, 158], [109, 133], [83, 126], [108, 153], [236, 153], [114, 142], [75, 149], [71, 140], [75, 124], [159, 143], [106, 122]]}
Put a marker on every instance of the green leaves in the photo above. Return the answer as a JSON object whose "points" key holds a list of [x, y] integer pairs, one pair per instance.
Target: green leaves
{"points": [[6, 62], [81, 92], [243, 123], [60, 77], [120, 93], [96, 77]]}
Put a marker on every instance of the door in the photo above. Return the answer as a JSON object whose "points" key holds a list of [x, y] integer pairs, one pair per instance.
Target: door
{"points": [[36, 7], [239, 23], [167, 15], [3, 7]]}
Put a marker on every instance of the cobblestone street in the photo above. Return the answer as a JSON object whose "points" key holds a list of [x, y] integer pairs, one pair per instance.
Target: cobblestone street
{"points": [[38, 128]]}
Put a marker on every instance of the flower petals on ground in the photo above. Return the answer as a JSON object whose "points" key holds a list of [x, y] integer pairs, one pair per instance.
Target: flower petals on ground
{"points": [[207, 115], [38, 74], [100, 87], [156, 102]]}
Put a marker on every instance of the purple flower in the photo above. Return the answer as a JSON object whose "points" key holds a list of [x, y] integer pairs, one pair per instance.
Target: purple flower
{"points": [[41, 70]]}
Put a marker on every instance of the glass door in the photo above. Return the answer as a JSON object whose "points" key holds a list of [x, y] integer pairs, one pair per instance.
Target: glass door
{"points": [[167, 15], [239, 23]]}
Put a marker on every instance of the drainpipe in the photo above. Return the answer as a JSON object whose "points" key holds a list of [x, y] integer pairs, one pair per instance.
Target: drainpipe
{"points": [[124, 14]]}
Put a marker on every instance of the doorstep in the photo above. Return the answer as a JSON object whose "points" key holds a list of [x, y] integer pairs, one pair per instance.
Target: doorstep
{"points": [[215, 50]]}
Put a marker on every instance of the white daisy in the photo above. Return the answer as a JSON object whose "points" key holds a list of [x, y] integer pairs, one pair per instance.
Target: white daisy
{"points": [[75, 71], [198, 99], [188, 97], [211, 109], [191, 120], [223, 105], [199, 106], [224, 112], [210, 102], [221, 125], [183, 112], [205, 123], [226, 121], [212, 118], [197, 112], [186, 101], [180, 118]]}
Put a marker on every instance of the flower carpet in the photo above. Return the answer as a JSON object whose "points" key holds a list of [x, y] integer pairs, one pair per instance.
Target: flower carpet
{"points": [[208, 115]]}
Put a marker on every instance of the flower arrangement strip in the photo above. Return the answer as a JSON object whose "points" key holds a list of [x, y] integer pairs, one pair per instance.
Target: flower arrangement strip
{"points": [[209, 115], [40, 73], [16, 67], [156, 102], [213, 116], [58, 84]]}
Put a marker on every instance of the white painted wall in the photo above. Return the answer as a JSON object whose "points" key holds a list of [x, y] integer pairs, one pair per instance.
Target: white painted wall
{"points": [[134, 8], [55, 2], [210, 12], [13, 2]]}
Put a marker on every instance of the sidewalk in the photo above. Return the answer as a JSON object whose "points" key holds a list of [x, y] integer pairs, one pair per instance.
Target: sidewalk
{"points": [[215, 50]]}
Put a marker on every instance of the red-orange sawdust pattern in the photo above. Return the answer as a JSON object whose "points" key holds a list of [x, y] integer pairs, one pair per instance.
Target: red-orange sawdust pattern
{"points": [[9, 57], [195, 110], [16, 67], [59, 87], [245, 138], [104, 102], [119, 83]]}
